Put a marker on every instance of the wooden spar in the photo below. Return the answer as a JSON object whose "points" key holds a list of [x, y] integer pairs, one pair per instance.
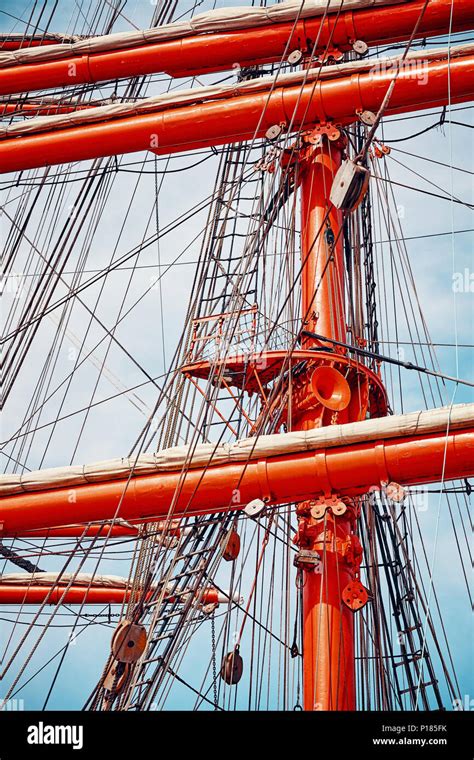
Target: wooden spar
{"points": [[328, 625], [347, 470], [215, 51], [241, 117]]}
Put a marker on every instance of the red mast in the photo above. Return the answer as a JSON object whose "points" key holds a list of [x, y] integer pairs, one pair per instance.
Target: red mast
{"points": [[328, 627]]}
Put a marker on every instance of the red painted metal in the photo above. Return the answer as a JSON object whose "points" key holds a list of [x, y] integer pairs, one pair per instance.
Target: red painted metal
{"points": [[349, 470], [256, 372], [268, 364], [328, 625], [328, 635], [21, 43], [30, 108], [241, 117], [105, 530], [209, 52], [37, 594], [322, 277]]}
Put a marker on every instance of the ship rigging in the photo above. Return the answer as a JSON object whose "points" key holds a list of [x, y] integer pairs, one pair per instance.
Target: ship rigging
{"points": [[269, 511]]}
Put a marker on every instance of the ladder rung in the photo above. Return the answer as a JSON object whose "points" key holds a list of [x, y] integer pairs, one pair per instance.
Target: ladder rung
{"points": [[161, 638]]}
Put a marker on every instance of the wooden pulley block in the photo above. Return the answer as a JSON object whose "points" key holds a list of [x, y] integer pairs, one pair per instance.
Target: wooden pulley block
{"points": [[117, 677], [355, 595], [232, 667], [128, 641], [230, 546]]}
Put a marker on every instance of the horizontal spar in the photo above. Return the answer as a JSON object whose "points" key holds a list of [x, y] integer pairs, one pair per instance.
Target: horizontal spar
{"points": [[114, 56], [229, 118], [40, 108], [412, 425], [26, 588], [18, 41], [345, 470], [108, 530]]}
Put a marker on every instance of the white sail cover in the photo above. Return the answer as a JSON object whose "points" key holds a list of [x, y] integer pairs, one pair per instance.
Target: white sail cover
{"points": [[55, 579], [208, 454], [219, 20], [215, 92]]}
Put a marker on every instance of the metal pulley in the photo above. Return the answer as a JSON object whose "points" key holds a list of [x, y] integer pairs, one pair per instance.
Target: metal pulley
{"points": [[274, 132], [254, 508], [232, 667], [209, 609], [355, 595], [338, 508], [367, 118], [318, 510], [360, 47], [230, 546], [129, 641], [329, 130], [295, 57], [395, 492], [329, 237], [381, 150], [319, 507], [306, 559]]}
